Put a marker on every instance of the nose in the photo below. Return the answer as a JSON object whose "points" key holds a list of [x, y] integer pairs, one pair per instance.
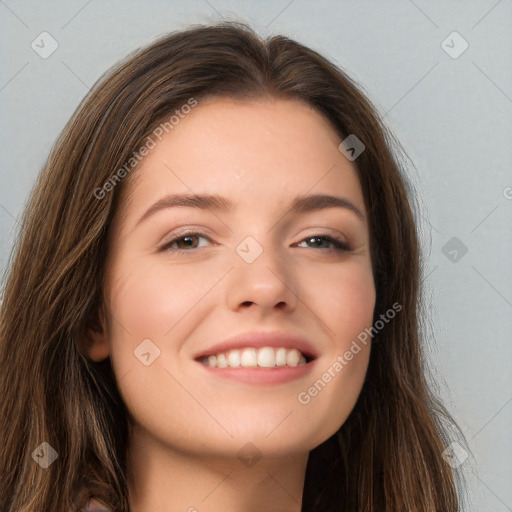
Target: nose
{"points": [[266, 283]]}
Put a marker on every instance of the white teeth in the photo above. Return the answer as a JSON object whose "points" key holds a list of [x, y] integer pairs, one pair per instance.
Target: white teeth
{"points": [[265, 357], [293, 357], [281, 357], [249, 358], [221, 361], [233, 358]]}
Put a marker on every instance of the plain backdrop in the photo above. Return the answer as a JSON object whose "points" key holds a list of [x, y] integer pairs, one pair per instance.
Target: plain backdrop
{"points": [[447, 97]]}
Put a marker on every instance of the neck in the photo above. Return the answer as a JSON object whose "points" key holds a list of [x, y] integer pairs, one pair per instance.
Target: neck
{"points": [[165, 479]]}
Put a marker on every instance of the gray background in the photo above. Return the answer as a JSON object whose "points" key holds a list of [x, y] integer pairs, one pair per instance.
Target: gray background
{"points": [[453, 116]]}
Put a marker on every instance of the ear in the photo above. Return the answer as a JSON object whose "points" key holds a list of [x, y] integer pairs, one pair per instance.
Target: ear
{"points": [[97, 342]]}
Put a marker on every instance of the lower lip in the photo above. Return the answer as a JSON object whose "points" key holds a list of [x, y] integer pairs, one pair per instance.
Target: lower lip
{"points": [[275, 375]]}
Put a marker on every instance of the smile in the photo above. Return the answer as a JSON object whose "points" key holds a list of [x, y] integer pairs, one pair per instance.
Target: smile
{"points": [[264, 357]]}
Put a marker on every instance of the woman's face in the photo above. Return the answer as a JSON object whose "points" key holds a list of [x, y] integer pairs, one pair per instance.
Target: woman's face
{"points": [[255, 266]]}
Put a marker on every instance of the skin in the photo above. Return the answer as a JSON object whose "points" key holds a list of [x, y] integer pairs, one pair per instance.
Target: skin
{"points": [[188, 426]]}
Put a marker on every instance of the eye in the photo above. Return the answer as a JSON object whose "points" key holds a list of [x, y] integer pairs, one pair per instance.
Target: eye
{"points": [[339, 245], [184, 241]]}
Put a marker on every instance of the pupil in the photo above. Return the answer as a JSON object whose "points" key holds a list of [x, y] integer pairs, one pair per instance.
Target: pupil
{"points": [[189, 238]]}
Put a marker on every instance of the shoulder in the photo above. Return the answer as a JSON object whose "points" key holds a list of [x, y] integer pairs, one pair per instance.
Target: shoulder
{"points": [[93, 505]]}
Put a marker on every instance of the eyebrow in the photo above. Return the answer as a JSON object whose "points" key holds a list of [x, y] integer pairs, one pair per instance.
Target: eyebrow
{"points": [[301, 204]]}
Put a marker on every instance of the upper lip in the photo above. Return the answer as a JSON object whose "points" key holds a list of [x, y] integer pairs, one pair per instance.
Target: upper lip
{"points": [[258, 339]]}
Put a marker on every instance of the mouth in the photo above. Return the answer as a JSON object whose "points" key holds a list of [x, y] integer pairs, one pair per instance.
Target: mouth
{"points": [[259, 358], [264, 366]]}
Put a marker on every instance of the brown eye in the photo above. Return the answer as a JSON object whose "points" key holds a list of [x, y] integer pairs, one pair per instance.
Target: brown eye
{"points": [[185, 242], [339, 244]]}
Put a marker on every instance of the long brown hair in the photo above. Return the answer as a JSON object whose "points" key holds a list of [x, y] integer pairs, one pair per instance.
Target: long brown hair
{"points": [[385, 457]]}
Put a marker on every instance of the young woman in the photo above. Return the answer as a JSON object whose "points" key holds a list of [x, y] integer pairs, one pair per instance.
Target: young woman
{"points": [[214, 301]]}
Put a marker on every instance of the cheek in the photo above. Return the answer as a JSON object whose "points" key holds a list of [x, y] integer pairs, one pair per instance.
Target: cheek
{"points": [[156, 302], [344, 297], [151, 299]]}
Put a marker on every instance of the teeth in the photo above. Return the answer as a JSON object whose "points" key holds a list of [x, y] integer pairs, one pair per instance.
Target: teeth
{"points": [[265, 357], [281, 357], [292, 358], [233, 358], [248, 359], [222, 361]]}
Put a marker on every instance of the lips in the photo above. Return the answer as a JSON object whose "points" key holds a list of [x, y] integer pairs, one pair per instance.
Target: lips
{"points": [[254, 349]]}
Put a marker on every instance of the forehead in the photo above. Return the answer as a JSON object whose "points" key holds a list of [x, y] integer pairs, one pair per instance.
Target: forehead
{"points": [[257, 152]]}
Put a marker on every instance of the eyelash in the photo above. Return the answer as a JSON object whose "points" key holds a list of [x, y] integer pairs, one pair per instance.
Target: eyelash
{"points": [[340, 245]]}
